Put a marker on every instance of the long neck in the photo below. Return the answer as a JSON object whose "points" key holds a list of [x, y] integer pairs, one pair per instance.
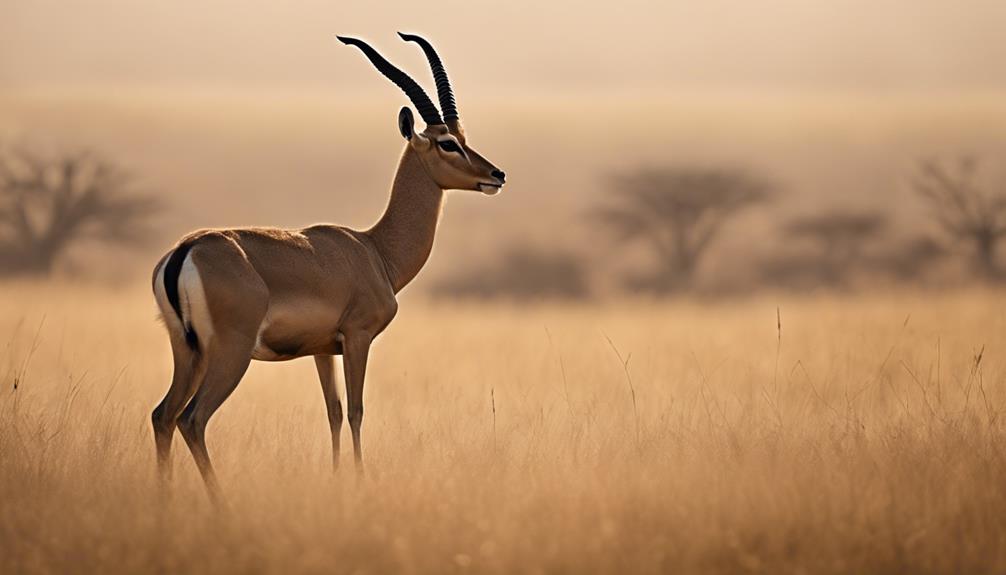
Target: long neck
{"points": [[404, 234]]}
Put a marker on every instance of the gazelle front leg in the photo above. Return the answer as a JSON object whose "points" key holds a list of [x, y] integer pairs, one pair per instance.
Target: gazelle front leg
{"points": [[355, 349], [326, 373]]}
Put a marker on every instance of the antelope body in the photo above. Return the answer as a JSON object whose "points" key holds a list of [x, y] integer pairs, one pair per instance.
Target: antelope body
{"points": [[229, 296]]}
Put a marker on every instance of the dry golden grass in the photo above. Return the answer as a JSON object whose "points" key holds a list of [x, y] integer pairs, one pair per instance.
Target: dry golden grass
{"points": [[868, 439]]}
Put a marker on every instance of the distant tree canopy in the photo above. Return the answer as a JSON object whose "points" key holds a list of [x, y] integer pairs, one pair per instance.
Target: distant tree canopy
{"points": [[677, 212], [522, 273], [968, 214], [49, 204], [839, 240], [840, 234]]}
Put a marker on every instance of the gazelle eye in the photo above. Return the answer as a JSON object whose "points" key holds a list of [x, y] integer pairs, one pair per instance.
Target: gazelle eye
{"points": [[449, 146]]}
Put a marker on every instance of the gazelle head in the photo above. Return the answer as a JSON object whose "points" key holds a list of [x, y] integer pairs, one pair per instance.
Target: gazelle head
{"points": [[442, 146]]}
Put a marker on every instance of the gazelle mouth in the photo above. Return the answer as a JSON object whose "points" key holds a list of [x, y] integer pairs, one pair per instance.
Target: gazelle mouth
{"points": [[489, 189]]}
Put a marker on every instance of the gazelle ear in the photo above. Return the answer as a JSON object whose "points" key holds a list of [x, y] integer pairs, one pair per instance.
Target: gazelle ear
{"points": [[406, 123]]}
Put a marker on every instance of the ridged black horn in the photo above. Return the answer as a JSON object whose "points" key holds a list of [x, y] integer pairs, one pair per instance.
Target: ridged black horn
{"points": [[447, 104], [415, 93]]}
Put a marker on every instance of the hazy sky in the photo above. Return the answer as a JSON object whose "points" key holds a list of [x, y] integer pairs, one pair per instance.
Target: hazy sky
{"points": [[509, 46]]}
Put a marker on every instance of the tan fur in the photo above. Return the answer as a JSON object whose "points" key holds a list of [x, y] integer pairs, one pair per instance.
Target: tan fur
{"points": [[324, 290]]}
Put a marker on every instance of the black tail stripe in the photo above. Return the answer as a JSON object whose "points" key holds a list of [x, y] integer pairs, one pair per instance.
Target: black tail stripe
{"points": [[172, 270]]}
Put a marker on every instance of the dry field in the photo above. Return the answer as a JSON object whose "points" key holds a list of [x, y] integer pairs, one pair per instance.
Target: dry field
{"points": [[868, 439]]}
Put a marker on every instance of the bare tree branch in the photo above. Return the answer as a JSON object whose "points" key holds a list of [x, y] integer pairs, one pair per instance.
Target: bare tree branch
{"points": [[966, 213], [50, 204]]}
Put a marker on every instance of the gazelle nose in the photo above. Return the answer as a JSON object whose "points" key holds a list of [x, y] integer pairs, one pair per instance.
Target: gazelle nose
{"points": [[499, 175]]}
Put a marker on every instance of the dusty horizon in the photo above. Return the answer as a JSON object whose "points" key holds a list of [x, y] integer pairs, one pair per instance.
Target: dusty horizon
{"points": [[220, 160]]}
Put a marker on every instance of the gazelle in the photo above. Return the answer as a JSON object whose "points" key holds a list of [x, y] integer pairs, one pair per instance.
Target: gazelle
{"points": [[229, 296]]}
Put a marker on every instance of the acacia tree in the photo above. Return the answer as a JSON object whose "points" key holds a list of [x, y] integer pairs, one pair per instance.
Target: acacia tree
{"points": [[521, 273], [48, 205], [678, 212], [967, 213], [840, 239]]}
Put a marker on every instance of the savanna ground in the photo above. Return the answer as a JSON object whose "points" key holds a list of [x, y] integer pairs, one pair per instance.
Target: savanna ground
{"points": [[868, 438]]}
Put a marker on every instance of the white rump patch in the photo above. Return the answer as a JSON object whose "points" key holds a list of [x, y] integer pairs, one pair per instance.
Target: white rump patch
{"points": [[192, 297], [167, 314]]}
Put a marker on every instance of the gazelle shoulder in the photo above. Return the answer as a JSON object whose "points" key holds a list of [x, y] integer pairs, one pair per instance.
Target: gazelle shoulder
{"points": [[327, 235]]}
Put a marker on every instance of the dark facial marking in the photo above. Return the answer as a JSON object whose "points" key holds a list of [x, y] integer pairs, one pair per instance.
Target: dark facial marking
{"points": [[450, 146]]}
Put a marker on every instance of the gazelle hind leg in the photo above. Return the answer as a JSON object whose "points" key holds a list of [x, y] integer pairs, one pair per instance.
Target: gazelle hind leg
{"points": [[226, 362], [188, 373], [326, 373], [225, 300]]}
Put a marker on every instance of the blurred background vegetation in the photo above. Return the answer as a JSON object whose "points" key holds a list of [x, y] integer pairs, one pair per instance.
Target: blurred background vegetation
{"points": [[794, 149]]}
